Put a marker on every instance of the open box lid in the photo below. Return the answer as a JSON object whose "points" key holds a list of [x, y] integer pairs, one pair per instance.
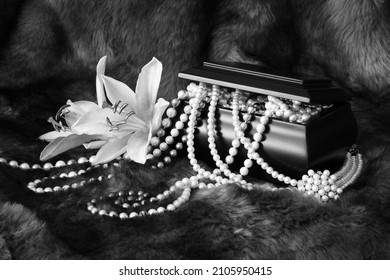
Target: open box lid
{"points": [[268, 81]]}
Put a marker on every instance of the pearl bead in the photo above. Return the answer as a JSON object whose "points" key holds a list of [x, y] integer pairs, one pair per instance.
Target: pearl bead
{"points": [[39, 190], [25, 166], [305, 117], [281, 177], [233, 151], [244, 171], [71, 162], [179, 125], [184, 118], [287, 180], [113, 214], [167, 160], [293, 118], [229, 159], [82, 160], [123, 216], [255, 145], [294, 182], [264, 120], [257, 137], [163, 146], [169, 140], [175, 132], [160, 132], [182, 94], [171, 207], [154, 141], [156, 152], [236, 143], [166, 122], [260, 161], [248, 163], [173, 153], [13, 163], [264, 165]]}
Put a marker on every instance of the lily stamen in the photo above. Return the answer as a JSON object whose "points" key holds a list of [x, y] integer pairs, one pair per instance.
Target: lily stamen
{"points": [[109, 122], [115, 107], [129, 115], [58, 126], [123, 107], [60, 113], [115, 126]]}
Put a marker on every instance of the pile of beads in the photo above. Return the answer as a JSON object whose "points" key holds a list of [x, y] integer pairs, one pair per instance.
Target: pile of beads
{"points": [[277, 108]]}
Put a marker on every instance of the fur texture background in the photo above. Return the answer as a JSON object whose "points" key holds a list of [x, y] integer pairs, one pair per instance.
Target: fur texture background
{"points": [[49, 50]]}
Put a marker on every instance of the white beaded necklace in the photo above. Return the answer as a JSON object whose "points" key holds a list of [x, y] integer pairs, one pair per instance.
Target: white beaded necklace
{"points": [[322, 185]]}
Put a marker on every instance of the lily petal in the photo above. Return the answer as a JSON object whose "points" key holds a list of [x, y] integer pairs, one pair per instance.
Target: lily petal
{"points": [[50, 136], [147, 89], [82, 107], [95, 144], [137, 145], [100, 69], [159, 109], [114, 148], [77, 109], [62, 144], [118, 91], [95, 122]]}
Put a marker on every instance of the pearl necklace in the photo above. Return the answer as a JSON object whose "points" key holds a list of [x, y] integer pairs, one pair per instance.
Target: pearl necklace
{"points": [[322, 185], [129, 203]]}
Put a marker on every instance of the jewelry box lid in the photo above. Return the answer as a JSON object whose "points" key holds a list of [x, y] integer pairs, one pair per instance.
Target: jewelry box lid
{"points": [[268, 81]]}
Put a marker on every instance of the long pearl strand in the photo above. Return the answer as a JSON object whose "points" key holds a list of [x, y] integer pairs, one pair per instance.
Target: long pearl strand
{"points": [[131, 201], [322, 185]]}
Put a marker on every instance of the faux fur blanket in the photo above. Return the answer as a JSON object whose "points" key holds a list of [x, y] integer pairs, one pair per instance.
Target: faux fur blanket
{"points": [[49, 51]]}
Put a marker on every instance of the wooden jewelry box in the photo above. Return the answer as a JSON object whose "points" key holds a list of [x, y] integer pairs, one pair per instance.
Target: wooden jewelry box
{"points": [[292, 146]]}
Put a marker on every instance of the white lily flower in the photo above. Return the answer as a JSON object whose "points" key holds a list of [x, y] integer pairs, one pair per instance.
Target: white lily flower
{"points": [[122, 121]]}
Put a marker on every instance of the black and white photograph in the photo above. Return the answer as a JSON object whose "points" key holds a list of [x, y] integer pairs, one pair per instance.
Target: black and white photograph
{"points": [[195, 130]]}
